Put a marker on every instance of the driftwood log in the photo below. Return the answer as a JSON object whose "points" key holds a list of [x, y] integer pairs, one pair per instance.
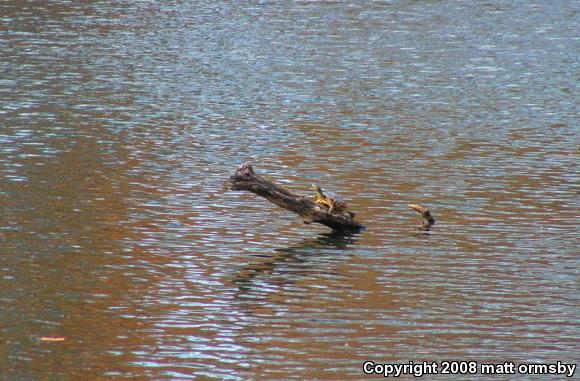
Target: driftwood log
{"points": [[245, 179]]}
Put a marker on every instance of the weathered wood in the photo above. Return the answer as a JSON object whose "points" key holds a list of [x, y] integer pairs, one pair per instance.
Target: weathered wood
{"points": [[245, 179], [428, 219]]}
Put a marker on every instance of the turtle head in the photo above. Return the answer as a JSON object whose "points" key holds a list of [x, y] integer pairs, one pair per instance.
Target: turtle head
{"points": [[317, 188]]}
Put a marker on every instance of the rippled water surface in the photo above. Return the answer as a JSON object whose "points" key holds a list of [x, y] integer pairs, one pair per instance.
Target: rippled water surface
{"points": [[118, 121]]}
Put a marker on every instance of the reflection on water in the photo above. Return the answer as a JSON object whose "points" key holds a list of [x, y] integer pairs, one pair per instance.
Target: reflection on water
{"points": [[291, 265], [119, 120]]}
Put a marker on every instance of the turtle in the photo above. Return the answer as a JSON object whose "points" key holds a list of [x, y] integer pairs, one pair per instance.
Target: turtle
{"points": [[330, 200]]}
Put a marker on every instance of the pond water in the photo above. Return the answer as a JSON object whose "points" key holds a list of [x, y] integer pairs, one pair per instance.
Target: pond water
{"points": [[119, 120]]}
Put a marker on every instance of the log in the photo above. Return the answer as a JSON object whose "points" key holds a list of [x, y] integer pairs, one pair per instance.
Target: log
{"points": [[245, 179]]}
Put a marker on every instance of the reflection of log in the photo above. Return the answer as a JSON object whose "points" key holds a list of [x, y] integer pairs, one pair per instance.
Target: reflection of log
{"points": [[245, 179], [428, 219], [257, 280]]}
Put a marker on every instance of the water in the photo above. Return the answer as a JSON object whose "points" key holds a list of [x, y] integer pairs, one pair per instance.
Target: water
{"points": [[120, 119]]}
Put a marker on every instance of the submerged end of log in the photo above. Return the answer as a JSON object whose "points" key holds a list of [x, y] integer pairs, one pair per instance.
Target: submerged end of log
{"points": [[245, 179], [428, 219]]}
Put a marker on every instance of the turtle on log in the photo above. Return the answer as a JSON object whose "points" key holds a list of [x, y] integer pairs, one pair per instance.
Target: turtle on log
{"points": [[331, 200]]}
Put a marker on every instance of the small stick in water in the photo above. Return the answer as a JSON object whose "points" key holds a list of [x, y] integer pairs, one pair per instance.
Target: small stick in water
{"points": [[428, 219]]}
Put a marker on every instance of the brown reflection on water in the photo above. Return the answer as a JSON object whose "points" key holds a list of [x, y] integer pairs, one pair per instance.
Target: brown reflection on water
{"points": [[66, 271]]}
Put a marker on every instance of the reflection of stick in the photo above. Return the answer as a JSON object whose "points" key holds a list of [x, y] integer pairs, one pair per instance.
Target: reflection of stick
{"points": [[428, 219], [246, 179]]}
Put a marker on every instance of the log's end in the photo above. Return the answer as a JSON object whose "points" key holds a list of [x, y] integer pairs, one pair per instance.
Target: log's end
{"points": [[236, 181], [245, 170]]}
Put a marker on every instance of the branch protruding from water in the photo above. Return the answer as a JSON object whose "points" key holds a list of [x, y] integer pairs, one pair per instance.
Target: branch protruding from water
{"points": [[428, 219]]}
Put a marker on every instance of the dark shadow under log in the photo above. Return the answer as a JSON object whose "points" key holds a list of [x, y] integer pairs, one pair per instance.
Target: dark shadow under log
{"points": [[245, 179]]}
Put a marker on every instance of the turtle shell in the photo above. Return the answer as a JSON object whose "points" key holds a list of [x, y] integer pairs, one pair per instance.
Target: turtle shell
{"points": [[339, 203], [333, 196]]}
